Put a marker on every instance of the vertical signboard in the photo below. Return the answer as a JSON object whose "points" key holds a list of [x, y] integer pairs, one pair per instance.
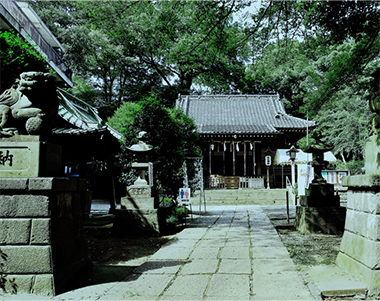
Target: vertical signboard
{"points": [[150, 171], [184, 196]]}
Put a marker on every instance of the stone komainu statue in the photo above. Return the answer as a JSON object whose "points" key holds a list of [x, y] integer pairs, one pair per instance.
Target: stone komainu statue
{"points": [[29, 105]]}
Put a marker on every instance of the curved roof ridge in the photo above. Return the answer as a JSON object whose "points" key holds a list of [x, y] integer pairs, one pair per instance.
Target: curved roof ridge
{"points": [[241, 113]]}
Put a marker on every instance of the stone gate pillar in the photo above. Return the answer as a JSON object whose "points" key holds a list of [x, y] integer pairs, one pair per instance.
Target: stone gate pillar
{"points": [[360, 247], [41, 233]]}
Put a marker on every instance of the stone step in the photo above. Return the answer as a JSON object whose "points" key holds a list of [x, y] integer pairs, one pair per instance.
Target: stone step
{"points": [[252, 196]]}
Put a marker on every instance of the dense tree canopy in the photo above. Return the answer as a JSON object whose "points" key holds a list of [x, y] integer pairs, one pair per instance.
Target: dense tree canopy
{"points": [[318, 55]]}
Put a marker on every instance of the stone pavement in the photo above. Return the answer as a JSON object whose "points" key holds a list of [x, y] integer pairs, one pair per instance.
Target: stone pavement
{"points": [[229, 253]]}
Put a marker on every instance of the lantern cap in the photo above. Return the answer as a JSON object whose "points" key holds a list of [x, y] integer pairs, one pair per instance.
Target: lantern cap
{"points": [[317, 146]]}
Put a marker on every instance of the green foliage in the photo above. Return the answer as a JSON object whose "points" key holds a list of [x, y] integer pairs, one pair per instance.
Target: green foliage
{"points": [[339, 42], [173, 135], [317, 55], [84, 90], [344, 123], [354, 166], [124, 115], [17, 55], [133, 48]]}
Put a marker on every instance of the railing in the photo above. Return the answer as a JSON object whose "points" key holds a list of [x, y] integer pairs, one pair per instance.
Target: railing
{"points": [[217, 181], [251, 182], [16, 12], [288, 183]]}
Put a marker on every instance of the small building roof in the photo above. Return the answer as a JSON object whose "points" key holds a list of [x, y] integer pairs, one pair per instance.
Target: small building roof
{"points": [[241, 114], [81, 132], [81, 117]]}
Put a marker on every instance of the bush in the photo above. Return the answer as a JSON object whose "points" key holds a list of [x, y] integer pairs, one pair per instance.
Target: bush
{"points": [[172, 134]]}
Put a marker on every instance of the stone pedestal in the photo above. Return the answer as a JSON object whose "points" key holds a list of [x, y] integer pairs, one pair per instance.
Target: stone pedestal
{"points": [[320, 211], [327, 220], [138, 215], [139, 198], [41, 233], [29, 156], [360, 247]]}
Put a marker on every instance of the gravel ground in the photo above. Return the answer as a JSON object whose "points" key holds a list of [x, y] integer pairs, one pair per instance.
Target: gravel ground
{"points": [[304, 249]]}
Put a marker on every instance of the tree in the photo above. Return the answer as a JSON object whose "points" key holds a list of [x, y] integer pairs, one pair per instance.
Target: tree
{"points": [[321, 25], [344, 123], [17, 55], [290, 73], [137, 47], [171, 132]]}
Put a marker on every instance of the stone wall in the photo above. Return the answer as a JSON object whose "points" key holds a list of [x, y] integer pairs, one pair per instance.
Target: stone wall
{"points": [[360, 248], [41, 232]]}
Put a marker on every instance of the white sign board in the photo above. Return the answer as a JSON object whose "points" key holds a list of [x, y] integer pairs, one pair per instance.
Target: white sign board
{"points": [[184, 196], [304, 177]]}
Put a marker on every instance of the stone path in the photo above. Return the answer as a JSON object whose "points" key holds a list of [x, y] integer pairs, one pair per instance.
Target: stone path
{"points": [[229, 253]]}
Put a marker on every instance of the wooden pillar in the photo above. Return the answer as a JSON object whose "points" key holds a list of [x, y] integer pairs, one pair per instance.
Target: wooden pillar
{"points": [[233, 158], [209, 158], [224, 159], [254, 158], [245, 158]]}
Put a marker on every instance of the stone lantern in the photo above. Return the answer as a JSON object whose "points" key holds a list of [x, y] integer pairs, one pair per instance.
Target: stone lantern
{"points": [[317, 149], [320, 193], [319, 209], [142, 151], [138, 214]]}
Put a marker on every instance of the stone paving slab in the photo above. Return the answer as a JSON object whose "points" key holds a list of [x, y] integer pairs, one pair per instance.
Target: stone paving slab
{"points": [[333, 281], [235, 252], [260, 266], [200, 266], [171, 253], [159, 267], [282, 286], [236, 242], [235, 266], [191, 233], [211, 242], [147, 287], [229, 287], [270, 252], [181, 243], [267, 242], [206, 253], [193, 286]]}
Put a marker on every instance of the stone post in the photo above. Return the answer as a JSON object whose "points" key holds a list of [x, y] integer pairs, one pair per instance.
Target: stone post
{"points": [[41, 233]]}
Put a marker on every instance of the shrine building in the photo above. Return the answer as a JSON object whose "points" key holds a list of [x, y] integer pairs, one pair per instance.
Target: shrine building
{"points": [[237, 132]]}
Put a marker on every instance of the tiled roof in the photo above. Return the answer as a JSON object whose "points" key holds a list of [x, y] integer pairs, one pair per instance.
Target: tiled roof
{"points": [[76, 131], [251, 114], [81, 116]]}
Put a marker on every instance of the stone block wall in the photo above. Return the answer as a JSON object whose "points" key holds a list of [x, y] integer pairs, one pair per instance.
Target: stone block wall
{"points": [[41, 232], [360, 247]]}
